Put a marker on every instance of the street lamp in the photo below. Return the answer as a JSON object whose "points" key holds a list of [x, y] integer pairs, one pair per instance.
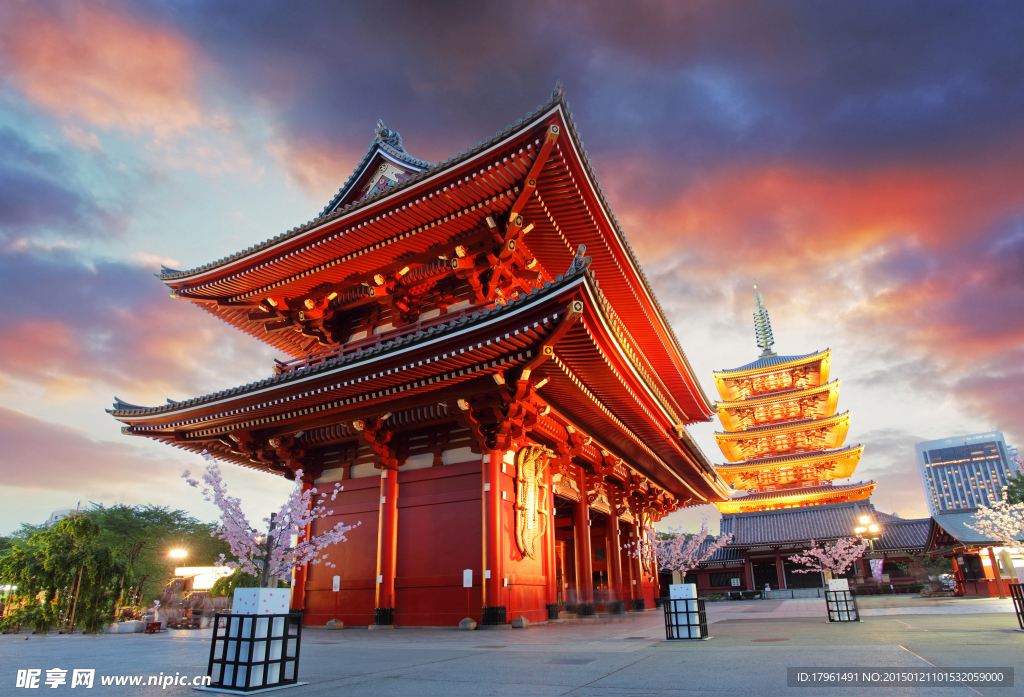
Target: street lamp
{"points": [[178, 554], [868, 530]]}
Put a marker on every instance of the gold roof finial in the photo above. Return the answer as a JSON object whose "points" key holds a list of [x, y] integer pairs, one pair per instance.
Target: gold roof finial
{"points": [[762, 324]]}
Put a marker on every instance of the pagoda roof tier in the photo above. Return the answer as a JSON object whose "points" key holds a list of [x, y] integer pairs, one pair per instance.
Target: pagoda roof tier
{"points": [[536, 169], [794, 498], [808, 435], [725, 380], [840, 463], [828, 399], [562, 333]]}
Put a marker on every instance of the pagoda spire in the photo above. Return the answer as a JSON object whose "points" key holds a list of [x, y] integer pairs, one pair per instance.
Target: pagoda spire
{"points": [[762, 324]]}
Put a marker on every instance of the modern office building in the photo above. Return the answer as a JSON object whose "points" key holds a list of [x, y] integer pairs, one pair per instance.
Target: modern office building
{"points": [[962, 473]]}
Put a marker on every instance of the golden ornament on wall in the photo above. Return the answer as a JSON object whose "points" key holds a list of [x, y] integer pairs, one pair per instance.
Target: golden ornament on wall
{"points": [[531, 515]]}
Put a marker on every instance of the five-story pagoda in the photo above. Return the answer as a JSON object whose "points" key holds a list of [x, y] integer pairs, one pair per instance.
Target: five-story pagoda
{"points": [[783, 438]]}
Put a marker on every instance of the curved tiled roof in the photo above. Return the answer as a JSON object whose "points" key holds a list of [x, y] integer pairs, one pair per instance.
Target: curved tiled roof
{"points": [[781, 459], [955, 524], [122, 408], [769, 361], [557, 96], [784, 493], [556, 101], [777, 396], [785, 425], [904, 534], [822, 523], [376, 144]]}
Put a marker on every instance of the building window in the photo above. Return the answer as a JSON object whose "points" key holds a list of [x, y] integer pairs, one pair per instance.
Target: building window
{"points": [[722, 580]]}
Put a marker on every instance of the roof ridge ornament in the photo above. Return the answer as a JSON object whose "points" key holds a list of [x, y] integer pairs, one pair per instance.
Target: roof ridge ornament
{"points": [[559, 91], [762, 325], [388, 136], [579, 262]]}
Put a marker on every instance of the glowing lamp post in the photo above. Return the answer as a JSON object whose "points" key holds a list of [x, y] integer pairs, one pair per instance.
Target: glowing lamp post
{"points": [[178, 554], [869, 531]]}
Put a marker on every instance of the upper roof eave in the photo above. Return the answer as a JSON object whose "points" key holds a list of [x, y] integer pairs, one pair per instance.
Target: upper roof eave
{"points": [[770, 364], [784, 427], [123, 410], [845, 451], [556, 103], [376, 145], [778, 396], [803, 492], [543, 110]]}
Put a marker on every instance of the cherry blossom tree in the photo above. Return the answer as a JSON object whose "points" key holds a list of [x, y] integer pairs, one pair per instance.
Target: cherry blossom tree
{"points": [[1003, 522], [835, 558], [272, 553], [675, 550]]}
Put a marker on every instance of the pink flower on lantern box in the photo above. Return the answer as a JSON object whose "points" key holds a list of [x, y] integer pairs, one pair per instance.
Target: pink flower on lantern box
{"points": [[261, 601]]}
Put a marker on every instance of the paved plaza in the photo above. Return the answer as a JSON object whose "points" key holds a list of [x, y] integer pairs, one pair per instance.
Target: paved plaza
{"points": [[754, 642]]}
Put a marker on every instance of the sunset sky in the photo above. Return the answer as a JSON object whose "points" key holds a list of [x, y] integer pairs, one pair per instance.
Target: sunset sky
{"points": [[863, 162]]}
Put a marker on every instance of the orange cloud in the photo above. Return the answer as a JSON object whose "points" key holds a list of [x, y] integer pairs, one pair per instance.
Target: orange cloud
{"points": [[111, 70], [798, 218], [318, 168]]}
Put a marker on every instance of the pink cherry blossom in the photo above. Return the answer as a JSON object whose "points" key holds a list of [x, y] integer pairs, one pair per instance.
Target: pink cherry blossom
{"points": [[678, 551], [1003, 522], [248, 544], [836, 558]]}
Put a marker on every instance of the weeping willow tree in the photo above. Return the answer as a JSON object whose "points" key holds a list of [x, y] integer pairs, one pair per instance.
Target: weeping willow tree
{"points": [[62, 578]]}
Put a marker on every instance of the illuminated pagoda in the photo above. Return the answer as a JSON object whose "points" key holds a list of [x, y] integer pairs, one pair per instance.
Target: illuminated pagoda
{"points": [[785, 446], [475, 354], [783, 438]]}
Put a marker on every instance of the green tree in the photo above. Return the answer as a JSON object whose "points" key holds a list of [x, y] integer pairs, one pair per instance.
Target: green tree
{"points": [[62, 576], [1015, 488], [226, 585], [143, 536]]}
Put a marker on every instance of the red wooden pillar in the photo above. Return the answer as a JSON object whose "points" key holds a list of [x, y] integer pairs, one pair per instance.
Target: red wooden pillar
{"points": [[299, 572], [581, 541], [549, 539], [778, 568], [613, 542], [638, 565], [492, 529], [387, 539]]}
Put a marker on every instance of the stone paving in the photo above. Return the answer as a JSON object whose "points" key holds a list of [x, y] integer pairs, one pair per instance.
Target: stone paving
{"points": [[754, 642]]}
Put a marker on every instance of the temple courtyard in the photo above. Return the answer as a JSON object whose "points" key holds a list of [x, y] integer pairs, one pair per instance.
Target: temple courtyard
{"points": [[753, 643]]}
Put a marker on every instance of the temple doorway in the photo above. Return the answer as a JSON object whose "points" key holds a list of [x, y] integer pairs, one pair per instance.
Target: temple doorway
{"points": [[765, 574]]}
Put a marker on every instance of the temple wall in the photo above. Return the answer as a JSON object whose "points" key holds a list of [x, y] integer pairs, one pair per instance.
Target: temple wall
{"points": [[356, 559], [439, 535], [526, 593]]}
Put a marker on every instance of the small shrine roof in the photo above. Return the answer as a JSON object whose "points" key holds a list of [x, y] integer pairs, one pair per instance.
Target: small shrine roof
{"points": [[122, 408], [822, 523], [904, 534], [955, 524], [771, 362]]}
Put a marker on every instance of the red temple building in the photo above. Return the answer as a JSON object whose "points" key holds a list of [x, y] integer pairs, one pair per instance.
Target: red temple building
{"points": [[476, 355]]}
